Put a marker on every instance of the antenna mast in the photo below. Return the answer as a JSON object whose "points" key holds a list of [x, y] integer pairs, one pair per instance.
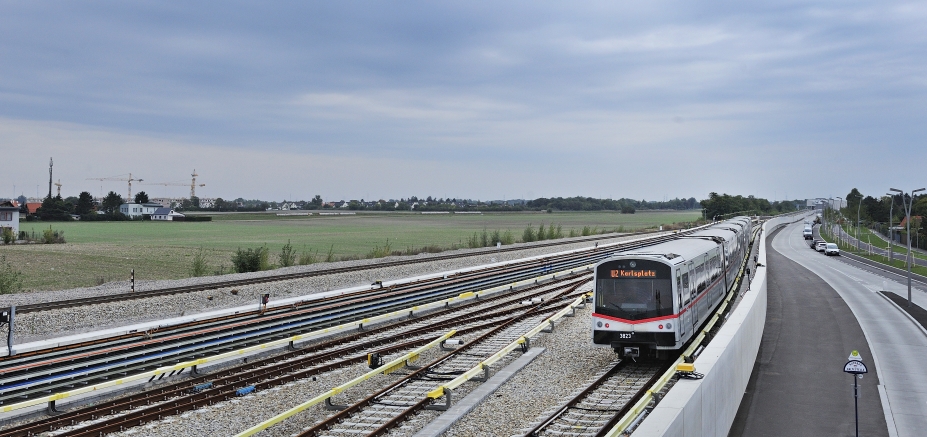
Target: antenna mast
{"points": [[51, 162]]}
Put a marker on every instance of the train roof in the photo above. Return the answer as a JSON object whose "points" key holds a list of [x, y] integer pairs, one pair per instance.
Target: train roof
{"points": [[676, 251], [724, 233]]}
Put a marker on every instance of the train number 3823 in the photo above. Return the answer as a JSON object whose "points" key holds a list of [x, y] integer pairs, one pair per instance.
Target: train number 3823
{"points": [[624, 335]]}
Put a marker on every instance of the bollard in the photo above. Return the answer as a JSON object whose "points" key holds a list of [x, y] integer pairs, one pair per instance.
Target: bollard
{"points": [[132, 278]]}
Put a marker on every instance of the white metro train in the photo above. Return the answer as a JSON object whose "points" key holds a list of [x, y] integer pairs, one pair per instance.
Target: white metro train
{"points": [[653, 299]]}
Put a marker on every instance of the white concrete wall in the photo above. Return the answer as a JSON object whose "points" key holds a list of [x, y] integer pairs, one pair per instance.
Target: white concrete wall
{"points": [[706, 407]]}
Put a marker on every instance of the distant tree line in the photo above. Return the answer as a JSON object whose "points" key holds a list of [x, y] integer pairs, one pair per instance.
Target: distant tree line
{"points": [[879, 212], [722, 206]]}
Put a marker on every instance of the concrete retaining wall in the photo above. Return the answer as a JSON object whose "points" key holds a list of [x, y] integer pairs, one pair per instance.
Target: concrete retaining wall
{"points": [[706, 407]]}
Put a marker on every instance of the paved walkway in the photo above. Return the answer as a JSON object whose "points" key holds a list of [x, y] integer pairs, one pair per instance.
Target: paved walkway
{"points": [[798, 387]]}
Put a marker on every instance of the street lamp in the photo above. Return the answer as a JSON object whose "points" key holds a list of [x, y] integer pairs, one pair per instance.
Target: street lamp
{"points": [[907, 213], [891, 233], [859, 204], [836, 222]]}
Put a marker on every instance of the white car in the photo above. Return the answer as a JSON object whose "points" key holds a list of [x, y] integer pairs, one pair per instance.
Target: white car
{"points": [[831, 249], [821, 245]]}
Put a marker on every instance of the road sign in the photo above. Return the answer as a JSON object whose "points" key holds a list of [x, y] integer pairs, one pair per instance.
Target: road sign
{"points": [[855, 367], [854, 356]]}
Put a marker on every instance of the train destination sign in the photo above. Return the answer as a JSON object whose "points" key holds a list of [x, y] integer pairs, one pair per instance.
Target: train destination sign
{"points": [[855, 367], [622, 273]]}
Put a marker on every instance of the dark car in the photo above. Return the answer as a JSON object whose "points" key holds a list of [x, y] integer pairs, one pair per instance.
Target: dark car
{"points": [[815, 243]]}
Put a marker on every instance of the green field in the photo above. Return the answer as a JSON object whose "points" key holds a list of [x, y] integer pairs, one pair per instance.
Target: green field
{"points": [[98, 252]]}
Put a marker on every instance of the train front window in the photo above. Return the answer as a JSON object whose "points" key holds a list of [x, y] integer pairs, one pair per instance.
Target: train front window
{"points": [[634, 299]]}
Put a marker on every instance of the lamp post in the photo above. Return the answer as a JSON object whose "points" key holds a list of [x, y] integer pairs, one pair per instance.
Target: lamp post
{"points": [[859, 204], [836, 222], [891, 233], [907, 213]]}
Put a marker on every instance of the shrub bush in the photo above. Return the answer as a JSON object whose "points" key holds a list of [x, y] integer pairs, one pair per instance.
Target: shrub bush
{"points": [[250, 260], [287, 257], [199, 267], [51, 236], [528, 235], [8, 236]]}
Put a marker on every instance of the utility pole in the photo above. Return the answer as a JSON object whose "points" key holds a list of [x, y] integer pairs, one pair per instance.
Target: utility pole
{"points": [[50, 164]]}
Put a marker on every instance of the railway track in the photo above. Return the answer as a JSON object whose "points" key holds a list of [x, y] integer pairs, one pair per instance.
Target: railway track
{"points": [[597, 407], [60, 369], [386, 409], [70, 303], [39, 375], [609, 397], [310, 361]]}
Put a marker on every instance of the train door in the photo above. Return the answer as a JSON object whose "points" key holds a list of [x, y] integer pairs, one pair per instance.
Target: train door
{"points": [[689, 317], [680, 302]]}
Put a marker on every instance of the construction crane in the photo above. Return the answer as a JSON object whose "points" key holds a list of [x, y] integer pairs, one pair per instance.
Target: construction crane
{"points": [[120, 178], [58, 184], [192, 184]]}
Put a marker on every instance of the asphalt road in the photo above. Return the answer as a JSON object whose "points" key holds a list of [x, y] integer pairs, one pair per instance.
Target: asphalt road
{"points": [[798, 387]]}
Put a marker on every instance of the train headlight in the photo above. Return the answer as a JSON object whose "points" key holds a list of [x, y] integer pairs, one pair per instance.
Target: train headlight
{"points": [[660, 327], [606, 325], [599, 324], [669, 326]]}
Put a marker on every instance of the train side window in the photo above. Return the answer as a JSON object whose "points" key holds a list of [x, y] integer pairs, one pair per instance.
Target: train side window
{"points": [[685, 287], [703, 273]]}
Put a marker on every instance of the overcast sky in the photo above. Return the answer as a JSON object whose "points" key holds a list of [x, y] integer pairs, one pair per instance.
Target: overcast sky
{"points": [[485, 100]]}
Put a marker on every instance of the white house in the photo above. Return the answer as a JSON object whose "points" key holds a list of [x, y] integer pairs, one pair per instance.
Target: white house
{"points": [[9, 217], [134, 210], [165, 214], [131, 210]]}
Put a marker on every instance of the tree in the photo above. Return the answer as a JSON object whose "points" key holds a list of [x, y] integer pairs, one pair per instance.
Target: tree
{"points": [[141, 197], [316, 201], [112, 202], [84, 204], [54, 209]]}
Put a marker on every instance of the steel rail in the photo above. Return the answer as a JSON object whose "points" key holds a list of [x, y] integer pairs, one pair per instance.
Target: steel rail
{"points": [[548, 262], [207, 340], [177, 398], [231, 379], [464, 352], [70, 303]]}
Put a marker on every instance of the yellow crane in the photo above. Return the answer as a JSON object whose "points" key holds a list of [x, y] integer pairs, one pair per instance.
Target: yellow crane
{"points": [[192, 184], [119, 178]]}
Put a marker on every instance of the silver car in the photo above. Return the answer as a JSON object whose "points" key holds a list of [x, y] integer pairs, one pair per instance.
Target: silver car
{"points": [[831, 249]]}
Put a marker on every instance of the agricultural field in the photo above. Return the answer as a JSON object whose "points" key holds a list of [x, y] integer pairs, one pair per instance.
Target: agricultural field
{"points": [[98, 252]]}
